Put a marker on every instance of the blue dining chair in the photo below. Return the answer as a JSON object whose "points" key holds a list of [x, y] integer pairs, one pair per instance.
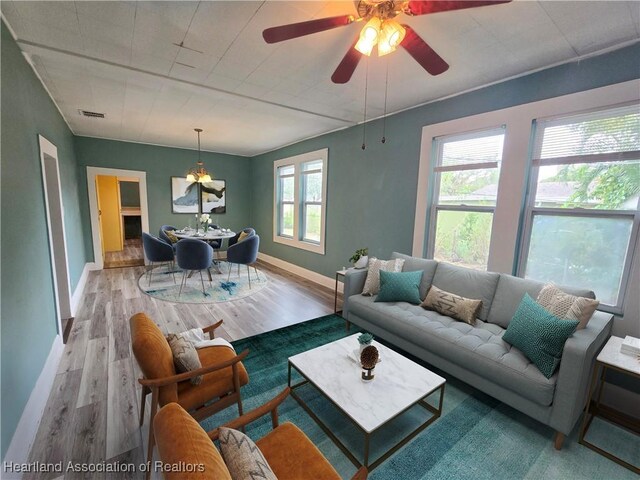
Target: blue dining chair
{"points": [[162, 234], [244, 253], [248, 230], [193, 255], [157, 251]]}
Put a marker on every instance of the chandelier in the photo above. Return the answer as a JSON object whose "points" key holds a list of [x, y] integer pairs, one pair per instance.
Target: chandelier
{"points": [[198, 174]]}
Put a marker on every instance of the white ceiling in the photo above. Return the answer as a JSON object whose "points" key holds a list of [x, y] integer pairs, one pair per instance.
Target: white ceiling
{"points": [[119, 58]]}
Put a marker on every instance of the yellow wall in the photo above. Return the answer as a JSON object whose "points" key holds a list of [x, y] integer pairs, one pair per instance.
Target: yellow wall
{"points": [[109, 205]]}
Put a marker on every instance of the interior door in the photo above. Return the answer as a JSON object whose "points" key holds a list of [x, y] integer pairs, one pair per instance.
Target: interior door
{"points": [[109, 213]]}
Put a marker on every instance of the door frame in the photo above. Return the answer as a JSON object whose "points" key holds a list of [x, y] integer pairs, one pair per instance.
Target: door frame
{"points": [[56, 232], [135, 175]]}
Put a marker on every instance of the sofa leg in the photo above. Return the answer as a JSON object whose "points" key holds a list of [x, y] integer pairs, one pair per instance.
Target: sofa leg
{"points": [[558, 440]]}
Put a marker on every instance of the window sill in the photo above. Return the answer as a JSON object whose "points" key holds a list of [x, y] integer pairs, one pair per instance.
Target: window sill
{"points": [[302, 245]]}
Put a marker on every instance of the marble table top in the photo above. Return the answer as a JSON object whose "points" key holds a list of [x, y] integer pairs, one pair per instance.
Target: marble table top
{"points": [[611, 355], [398, 383]]}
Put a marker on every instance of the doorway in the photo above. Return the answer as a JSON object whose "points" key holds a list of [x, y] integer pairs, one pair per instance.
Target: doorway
{"points": [[117, 201], [56, 233], [120, 221]]}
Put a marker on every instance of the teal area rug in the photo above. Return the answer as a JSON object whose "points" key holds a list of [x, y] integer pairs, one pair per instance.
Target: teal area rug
{"points": [[477, 437], [163, 286]]}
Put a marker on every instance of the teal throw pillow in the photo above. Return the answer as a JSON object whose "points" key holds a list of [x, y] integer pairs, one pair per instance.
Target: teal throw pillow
{"points": [[400, 287], [539, 334]]}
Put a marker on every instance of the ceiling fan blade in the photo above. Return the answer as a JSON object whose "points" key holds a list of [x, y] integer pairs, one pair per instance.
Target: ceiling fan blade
{"points": [[294, 30], [423, 7], [423, 53], [347, 66]]}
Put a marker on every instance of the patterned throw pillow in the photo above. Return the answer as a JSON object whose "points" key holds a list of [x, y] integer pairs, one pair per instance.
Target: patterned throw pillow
{"points": [[539, 334], [242, 457], [372, 283], [185, 356], [171, 236], [400, 287], [452, 305], [566, 306]]}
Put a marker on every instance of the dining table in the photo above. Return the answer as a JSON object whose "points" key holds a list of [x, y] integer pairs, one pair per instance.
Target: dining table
{"points": [[211, 234]]}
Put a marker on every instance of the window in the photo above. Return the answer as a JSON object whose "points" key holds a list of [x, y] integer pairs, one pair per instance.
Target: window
{"points": [[465, 192], [582, 210], [299, 201]]}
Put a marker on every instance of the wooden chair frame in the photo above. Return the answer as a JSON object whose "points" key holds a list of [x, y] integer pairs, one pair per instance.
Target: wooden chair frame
{"points": [[153, 386], [271, 407]]}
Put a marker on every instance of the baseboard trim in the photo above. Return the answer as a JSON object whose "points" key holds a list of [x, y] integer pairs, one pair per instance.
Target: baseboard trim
{"points": [[310, 275], [25, 434], [76, 298]]}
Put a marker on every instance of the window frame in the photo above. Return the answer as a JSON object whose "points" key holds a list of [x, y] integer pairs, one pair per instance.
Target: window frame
{"points": [[438, 168], [299, 201], [531, 210]]}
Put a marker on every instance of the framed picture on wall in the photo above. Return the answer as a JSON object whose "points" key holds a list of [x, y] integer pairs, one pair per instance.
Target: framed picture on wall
{"points": [[214, 196], [184, 196]]}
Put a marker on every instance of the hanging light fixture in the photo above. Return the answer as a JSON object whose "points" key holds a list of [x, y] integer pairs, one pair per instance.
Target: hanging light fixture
{"points": [[391, 36], [369, 36], [198, 174]]}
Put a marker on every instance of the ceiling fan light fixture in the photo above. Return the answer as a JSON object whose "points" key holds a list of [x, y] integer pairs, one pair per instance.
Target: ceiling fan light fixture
{"points": [[391, 35], [369, 36], [191, 178]]}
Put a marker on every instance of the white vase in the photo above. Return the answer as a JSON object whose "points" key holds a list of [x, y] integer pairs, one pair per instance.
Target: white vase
{"points": [[362, 262]]}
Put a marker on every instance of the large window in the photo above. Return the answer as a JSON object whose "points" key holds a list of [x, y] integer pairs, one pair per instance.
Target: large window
{"points": [[583, 204], [465, 192], [299, 200]]}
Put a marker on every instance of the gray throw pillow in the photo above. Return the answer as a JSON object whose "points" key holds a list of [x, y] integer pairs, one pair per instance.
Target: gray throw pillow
{"points": [[243, 457], [185, 356], [566, 306]]}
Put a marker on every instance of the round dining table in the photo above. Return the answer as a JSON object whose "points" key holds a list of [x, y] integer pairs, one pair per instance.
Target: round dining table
{"points": [[200, 235], [212, 234]]}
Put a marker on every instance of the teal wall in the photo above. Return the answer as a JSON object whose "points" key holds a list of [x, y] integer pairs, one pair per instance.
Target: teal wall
{"points": [[129, 194], [28, 309], [161, 163], [371, 194]]}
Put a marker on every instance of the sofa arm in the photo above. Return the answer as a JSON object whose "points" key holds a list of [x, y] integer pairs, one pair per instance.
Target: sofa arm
{"points": [[353, 285], [578, 358]]}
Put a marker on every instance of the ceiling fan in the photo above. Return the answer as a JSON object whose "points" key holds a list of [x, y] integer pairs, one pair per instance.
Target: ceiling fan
{"points": [[380, 30]]}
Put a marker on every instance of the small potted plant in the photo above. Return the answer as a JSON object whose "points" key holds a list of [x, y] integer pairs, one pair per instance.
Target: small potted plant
{"points": [[365, 340], [360, 259]]}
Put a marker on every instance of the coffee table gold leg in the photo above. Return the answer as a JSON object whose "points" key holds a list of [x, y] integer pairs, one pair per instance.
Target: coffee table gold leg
{"points": [[289, 374]]}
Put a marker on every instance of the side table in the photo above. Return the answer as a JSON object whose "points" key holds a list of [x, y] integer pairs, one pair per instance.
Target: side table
{"points": [[610, 358]]}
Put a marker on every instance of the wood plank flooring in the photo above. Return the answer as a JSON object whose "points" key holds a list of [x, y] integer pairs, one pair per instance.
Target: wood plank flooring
{"points": [[92, 413], [131, 256]]}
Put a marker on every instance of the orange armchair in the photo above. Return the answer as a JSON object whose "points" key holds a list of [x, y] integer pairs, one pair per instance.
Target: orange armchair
{"points": [[289, 452], [222, 370]]}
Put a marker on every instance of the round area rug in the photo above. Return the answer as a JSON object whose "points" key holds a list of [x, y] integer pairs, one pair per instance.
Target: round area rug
{"points": [[218, 290]]}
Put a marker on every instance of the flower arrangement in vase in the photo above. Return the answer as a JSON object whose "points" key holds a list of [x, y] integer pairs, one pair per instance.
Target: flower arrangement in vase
{"points": [[205, 221]]}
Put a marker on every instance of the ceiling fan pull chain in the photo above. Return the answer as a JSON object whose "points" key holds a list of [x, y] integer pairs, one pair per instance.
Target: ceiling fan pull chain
{"points": [[384, 115], [364, 122]]}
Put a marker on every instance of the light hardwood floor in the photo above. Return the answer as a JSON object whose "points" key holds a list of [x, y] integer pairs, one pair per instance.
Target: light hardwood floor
{"points": [[92, 413], [131, 256]]}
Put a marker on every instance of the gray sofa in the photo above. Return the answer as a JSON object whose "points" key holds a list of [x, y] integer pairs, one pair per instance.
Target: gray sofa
{"points": [[477, 354]]}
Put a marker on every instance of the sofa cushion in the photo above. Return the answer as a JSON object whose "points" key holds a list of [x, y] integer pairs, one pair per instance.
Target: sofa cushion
{"points": [[510, 292], [478, 348], [399, 287], [411, 264], [540, 335], [467, 283], [454, 306], [567, 306], [372, 283], [242, 457]]}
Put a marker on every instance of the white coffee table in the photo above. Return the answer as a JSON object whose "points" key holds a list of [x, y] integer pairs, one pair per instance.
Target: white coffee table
{"points": [[399, 384]]}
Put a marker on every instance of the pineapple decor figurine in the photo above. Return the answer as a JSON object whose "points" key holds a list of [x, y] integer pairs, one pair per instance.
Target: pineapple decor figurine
{"points": [[368, 360]]}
